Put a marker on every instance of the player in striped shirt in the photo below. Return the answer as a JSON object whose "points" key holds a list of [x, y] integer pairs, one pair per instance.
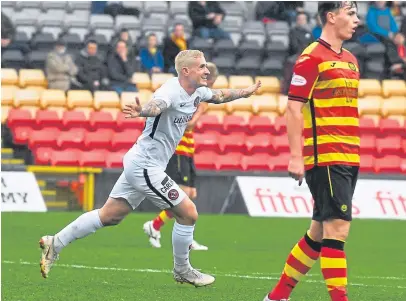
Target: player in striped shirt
{"points": [[324, 96], [181, 168]]}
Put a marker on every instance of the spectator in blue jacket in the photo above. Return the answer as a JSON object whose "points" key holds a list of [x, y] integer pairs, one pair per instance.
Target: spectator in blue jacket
{"points": [[380, 21], [151, 57]]}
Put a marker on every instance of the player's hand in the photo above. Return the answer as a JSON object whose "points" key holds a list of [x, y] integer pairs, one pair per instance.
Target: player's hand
{"points": [[132, 110], [252, 89], [296, 168]]}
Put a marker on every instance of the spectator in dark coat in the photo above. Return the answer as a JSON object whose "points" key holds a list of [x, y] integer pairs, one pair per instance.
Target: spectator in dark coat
{"points": [[113, 8], [7, 36], [120, 69], [151, 57], [174, 44], [124, 35], [300, 36], [92, 73], [206, 16]]}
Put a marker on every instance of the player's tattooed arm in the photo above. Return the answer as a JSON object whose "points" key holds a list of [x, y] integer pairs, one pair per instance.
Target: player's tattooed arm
{"points": [[227, 95], [151, 109]]}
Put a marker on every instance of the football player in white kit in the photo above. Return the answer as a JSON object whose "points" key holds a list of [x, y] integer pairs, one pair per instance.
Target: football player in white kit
{"points": [[169, 111]]}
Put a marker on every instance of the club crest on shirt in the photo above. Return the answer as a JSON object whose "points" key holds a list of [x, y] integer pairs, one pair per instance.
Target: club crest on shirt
{"points": [[352, 66], [197, 101]]}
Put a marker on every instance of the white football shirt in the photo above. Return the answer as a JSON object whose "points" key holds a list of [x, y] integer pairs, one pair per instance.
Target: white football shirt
{"points": [[163, 133]]}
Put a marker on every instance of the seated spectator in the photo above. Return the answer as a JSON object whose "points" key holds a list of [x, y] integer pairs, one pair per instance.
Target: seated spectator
{"points": [[174, 44], [206, 16], [124, 35], [7, 35], [401, 46], [381, 22], [151, 57], [398, 63], [120, 69], [113, 8], [92, 73], [60, 68], [300, 36], [395, 8], [270, 11]]}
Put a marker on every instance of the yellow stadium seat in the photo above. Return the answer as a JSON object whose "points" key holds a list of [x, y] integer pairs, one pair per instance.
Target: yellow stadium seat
{"points": [[393, 88], [158, 79], [129, 97], [54, 98], [25, 97], [369, 87], [221, 82], [269, 84], [217, 107], [32, 77], [106, 99], [243, 104], [282, 104], [240, 81], [395, 105], [39, 89], [4, 113], [9, 76], [145, 96], [7, 94], [370, 105], [142, 79], [264, 103], [79, 98]]}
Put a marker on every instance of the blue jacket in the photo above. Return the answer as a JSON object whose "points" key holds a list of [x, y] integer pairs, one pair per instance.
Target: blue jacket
{"points": [[148, 61], [375, 26]]}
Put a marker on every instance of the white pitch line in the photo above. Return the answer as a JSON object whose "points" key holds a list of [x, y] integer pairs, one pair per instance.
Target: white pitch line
{"points": [[76, 266]]}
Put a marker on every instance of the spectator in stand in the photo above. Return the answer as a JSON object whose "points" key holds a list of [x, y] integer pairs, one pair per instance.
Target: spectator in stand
{"points": [[124, 35], [398, 67], [270, 11], [395, 8], [92, 72], [120, 69], [113, 8], [60, 68], [7, 35], [381, 22], [206, 16], [300, 36], [174, 44], [151, 57]]}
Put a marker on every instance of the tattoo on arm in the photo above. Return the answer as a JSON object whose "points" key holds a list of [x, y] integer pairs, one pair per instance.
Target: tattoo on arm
{"points": [[227, 95], [153, 108]]}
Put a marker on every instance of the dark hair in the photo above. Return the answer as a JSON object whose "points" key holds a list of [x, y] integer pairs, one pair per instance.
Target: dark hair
{"points": [[151, 35], [91, 41], [302, 13], [123, 30], [178, 24], [121, 41], [330, 6]]}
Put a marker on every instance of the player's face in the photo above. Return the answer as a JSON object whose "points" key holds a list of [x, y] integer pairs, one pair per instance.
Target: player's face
{"points": [[198, 72], [346, 22]]}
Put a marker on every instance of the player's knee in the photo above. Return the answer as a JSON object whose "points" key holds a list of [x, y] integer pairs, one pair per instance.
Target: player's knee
{"points": [[336, 229], [192, 214], [113, 212]]}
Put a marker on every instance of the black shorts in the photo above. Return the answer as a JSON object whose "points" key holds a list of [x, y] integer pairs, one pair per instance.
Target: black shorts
{"points": [[182, 170], [332, 188]]}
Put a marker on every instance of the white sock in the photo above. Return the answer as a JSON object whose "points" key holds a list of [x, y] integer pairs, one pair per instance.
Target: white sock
{"points": [[182, 238], [84, 225]]}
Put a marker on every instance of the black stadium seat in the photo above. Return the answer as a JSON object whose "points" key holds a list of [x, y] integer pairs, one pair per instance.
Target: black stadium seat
{"points": [[224, 47], [43, 41], [225, 63], [12, 59], [203, 45], [276, 49], [73, 40], [272, 67], [36, 59], [248, 65], [250, 49]]}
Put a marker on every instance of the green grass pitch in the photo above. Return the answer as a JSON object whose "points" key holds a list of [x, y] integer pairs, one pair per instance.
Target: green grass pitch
{"points": [[245, 254]]}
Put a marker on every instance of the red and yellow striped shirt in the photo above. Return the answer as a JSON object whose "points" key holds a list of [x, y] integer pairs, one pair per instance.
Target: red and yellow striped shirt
{"points": [[186, 146], [328, 83]]}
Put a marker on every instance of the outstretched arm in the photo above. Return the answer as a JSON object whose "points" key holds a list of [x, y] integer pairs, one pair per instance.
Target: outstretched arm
{"points": [[151, 109], [227, 95]]}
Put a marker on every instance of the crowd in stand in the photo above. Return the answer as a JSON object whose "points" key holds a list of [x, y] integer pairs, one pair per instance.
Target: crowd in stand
{"points": [[114, 70]]}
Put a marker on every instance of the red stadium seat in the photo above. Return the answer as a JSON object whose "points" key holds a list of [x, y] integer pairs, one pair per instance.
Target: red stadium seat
{"points": [[234, 123], [403, 166], [259, 143], [209, 123], [68, 157], [99, 139], [388, 164], [43, 138], [390, 127], [48, 118], [129, 123], [207, 142], [94, 158], [20, 117], [280, 162], [261, 124], [257, 162], [43, 155], [71, 139], [280, 125], [101, 119], [368, 144], [115, 160], [367, 126], [281, 144], [74, 119], [404, 147], [206, 160], [124, 140], [391, 145], [234, 142], [21, 134], [367, 163], [231, 161]]}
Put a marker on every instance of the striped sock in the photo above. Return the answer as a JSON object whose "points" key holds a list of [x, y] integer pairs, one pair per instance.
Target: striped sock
{"points": [[334, 268], [161, 219], [299, 262]]}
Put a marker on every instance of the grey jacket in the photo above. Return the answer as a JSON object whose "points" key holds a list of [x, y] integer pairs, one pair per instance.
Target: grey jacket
{"points": [[60, 70]]}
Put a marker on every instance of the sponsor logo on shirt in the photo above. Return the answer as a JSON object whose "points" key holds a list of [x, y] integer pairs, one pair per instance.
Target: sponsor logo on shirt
{"points": [[298, 80], [182, 119], [167, 186]]}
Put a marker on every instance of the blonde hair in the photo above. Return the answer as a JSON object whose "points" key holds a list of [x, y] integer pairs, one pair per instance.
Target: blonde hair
{"points": [[213, 70], [185, 57]]}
